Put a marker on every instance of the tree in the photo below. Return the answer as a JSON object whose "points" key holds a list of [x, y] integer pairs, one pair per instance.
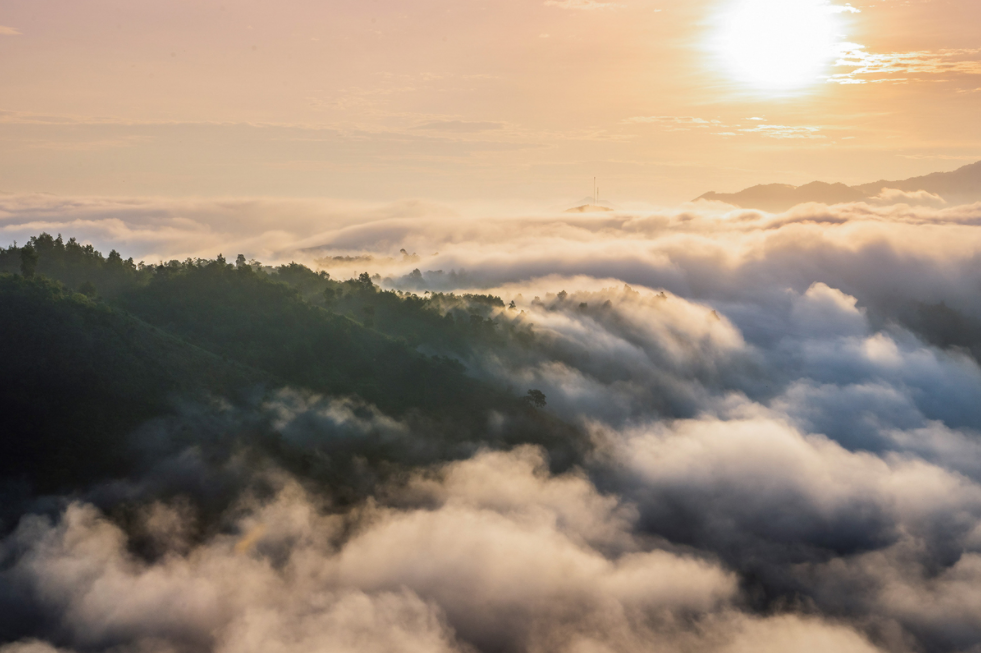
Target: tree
{"points": [[369, 316], [536, 398], [28, 261]]}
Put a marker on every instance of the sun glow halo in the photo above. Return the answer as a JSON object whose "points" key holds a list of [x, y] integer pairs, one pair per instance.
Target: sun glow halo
{"points": [[779, 44]]}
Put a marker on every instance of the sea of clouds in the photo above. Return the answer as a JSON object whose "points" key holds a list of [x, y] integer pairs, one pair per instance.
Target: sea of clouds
{"points": [[784, 446]]}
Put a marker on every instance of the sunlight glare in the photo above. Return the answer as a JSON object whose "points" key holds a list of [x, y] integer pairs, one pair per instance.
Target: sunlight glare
{"points": [[779, 44]]}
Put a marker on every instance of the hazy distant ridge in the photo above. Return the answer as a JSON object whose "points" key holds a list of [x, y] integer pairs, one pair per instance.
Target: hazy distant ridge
{"points": [[958, 187]]}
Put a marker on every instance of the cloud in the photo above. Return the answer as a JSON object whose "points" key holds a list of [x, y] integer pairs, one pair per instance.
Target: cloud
{"points": [[30, 646], [782, 412], [8, 31], [583, 5], [921, 197], [617, 353], [548, 564], [783, 131], [865, 528], [461, 126], [813, 490], [883, 66], [686, 123], [155, 229], [672, 120], [83, 571], [515, 571]]}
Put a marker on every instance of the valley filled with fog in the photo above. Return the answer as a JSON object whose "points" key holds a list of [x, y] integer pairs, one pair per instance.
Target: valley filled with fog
{"points": [[396, 428]]}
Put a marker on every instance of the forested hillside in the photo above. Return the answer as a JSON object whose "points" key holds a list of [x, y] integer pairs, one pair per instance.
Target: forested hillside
{"points": [[94, 346]]}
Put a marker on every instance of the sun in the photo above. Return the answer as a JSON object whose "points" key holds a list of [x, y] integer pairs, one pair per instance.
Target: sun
{"points": [[778, 44]]}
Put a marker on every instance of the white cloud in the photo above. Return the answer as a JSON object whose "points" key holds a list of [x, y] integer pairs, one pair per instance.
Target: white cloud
{"points": [[784, 131], [884, 67]]}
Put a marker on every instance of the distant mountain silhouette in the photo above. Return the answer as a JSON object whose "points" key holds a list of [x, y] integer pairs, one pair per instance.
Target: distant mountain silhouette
{"points": [[961, 186], [958, 187]]}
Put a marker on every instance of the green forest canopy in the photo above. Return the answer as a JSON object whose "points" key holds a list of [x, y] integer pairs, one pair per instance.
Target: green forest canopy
{"points": [[95, 345]]}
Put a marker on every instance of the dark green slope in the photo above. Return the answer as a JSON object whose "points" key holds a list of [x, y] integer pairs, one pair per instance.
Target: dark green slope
{"points": [[81, 372], [77, 375], [245, 316]]}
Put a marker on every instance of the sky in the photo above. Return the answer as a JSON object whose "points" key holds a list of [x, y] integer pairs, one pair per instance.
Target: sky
{"points": [[513, 101]]}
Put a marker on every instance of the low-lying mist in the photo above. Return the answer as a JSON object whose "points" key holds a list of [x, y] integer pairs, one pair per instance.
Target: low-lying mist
{"points": [[759, 432]]}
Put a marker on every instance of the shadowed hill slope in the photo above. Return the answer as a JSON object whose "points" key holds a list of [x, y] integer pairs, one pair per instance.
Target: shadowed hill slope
{"points": [[78, 375], [82, 370]]}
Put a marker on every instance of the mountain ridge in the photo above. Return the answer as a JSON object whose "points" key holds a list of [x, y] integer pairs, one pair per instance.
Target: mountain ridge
{"points": [[961, 186]]}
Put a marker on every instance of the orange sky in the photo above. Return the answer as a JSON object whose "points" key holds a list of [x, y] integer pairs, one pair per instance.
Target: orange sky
{"points": [[522, 100]]}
